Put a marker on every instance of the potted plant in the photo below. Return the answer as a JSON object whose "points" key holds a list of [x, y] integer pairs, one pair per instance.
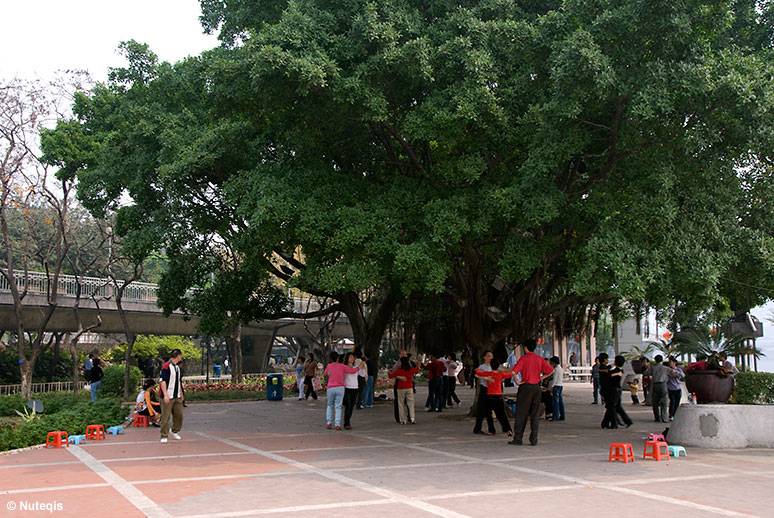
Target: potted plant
{"points": [[667, 345], [635, 356], [705, 378]]}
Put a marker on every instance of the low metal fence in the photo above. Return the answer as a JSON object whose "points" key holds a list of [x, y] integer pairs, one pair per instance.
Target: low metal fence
{"points": [[53, 386]]}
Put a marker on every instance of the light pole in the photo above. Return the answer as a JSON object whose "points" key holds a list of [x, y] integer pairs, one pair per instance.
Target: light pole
{"points": [[208, 359]]}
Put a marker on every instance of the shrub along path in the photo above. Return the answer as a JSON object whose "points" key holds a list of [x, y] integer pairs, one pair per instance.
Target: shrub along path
{"points": [[275, 458]]}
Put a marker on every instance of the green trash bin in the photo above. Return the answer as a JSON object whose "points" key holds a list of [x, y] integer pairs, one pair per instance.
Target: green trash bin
{"points": [[274, 387]]}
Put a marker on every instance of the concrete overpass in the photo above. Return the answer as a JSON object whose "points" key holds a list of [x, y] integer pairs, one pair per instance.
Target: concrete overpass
{"points": [[143, 315]]}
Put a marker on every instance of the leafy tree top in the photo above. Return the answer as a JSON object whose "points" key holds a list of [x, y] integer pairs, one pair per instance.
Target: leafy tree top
{"points": [[577, 150]]}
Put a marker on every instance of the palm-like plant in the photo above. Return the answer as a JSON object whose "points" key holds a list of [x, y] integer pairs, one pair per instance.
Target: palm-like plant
{"points": [[666, 346], [709, 343], [638, 352]]}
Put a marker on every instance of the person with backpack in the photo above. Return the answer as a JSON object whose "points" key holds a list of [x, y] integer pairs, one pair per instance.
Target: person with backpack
{"points": [[87, 366]]}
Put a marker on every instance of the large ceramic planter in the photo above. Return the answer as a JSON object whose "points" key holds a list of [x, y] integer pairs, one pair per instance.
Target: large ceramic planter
{"points": [[710, 386]]}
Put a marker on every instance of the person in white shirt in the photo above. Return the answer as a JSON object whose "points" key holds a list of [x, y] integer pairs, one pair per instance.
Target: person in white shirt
{"points": [[450, 380], [350, 389], [556, 386], [482, 404]]}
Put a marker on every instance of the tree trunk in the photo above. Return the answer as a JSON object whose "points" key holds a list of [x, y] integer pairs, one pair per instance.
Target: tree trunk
{"points": [[234, 344], [25, 370], [76, 368], [369, 330], [55, 359], [130, 336]]}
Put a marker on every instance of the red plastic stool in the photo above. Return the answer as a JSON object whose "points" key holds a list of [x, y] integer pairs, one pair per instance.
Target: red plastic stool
{"points": [[140, 420], [655, 450], [621, 451], [95, 432], [57, 439]]}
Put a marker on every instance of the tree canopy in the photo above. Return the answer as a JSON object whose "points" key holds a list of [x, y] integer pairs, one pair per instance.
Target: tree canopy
{"points": [[517, 158]]}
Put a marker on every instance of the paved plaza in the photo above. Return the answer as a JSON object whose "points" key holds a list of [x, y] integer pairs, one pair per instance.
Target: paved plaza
{"points": [[276, 458]]}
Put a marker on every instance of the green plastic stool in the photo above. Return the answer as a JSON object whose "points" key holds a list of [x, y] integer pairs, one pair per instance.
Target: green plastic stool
{"points": [[674, 451]]}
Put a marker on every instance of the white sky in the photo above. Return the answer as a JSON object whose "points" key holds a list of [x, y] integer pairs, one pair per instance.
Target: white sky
{"points": [[39, 37]]}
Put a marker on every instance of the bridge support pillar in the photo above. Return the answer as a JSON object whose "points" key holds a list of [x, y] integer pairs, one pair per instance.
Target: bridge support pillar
{"points": [[255, 352]]}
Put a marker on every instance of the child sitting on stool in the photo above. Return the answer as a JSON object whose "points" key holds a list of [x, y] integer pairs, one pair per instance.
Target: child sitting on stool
{"points": [[147, 403]]}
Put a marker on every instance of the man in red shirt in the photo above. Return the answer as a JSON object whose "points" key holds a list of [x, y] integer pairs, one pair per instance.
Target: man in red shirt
{"points": [[533, 369], [435, 369]]}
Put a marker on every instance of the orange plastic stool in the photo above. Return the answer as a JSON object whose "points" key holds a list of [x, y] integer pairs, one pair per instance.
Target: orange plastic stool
{"points": [[57, 439], [655, 450], [140, 420], [621, 451], [95, 432]]}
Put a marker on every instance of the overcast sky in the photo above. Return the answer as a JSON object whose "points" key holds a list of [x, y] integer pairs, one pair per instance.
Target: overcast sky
{"points": [[38, 37]]}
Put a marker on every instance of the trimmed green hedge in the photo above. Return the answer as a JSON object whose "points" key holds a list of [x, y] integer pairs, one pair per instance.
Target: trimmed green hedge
{"points": [[53, 402], [113, 382], [754, 388], [73, 419], [216, 395]]}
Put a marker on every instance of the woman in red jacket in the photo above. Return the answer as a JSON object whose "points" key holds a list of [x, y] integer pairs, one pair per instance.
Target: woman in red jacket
{"points": [[494, 393], [405, 376]]}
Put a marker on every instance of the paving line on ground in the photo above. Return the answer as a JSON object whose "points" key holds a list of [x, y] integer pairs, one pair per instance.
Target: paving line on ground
{"points": [[128, 459], [222, 477], [293, 509], [576, 480], [333, 448], [120, 443], [736, 471], [687, 478], [181, 456], [494, 492], [40, 464], [133, 495], [392, 496], [53, 488], [404, 466], [154, 481]]}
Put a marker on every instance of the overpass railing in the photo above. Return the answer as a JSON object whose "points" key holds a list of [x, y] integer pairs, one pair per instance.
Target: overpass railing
{"points": [[37, 283]]}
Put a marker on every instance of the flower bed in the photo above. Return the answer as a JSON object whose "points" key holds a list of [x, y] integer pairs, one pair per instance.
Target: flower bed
{"points": [[250, 389]]}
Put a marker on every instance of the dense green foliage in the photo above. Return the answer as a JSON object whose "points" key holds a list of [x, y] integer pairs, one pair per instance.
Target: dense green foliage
{"points": [[9, 367], [754, 388], [53, 402], [152, 346], [72, 418], [574, 152], [113, 381], [10, 404]]}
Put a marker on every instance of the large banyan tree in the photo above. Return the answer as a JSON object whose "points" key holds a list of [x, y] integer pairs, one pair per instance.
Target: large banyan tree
{"points": [[517, 158]]}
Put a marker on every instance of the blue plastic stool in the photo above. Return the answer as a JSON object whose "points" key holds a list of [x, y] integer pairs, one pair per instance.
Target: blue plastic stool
{"points": [[675, 450], [77, 439], [115, 430]]}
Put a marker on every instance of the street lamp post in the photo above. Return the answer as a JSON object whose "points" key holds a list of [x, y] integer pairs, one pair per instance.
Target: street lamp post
{"points": [[208, 360]]}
